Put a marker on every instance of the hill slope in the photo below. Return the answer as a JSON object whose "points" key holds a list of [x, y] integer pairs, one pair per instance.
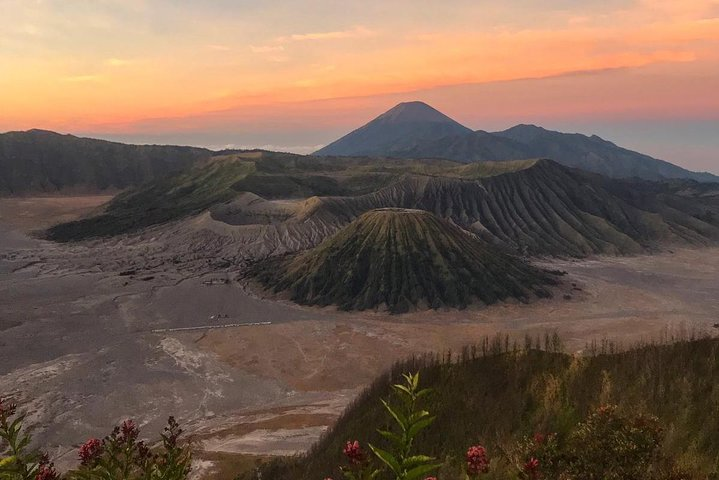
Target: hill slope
{"points": [[546, 208], [401, 259], [396, 130], [42, 161], [496, 398]]}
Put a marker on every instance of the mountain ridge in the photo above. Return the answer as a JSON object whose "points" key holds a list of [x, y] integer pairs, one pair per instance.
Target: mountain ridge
{"points": [[523, 141], [39, 160]]}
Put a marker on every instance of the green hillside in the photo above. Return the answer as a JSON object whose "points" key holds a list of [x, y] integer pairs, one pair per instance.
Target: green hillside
{"points": [[159, 201], [494, 395], [401, 259]]}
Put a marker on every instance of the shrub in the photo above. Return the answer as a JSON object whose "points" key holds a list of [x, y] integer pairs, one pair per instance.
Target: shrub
{"points": [[119, 456], [17, 462]]}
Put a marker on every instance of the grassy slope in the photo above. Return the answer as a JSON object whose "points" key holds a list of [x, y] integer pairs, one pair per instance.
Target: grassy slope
{"points": [[496, 398], [159, 201], [401, 258]]}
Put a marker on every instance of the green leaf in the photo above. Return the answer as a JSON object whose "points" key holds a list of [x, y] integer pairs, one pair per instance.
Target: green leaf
{"points": [[416, 416], [419, 426], [420, 471], [415, 381], [402, 389], [415, 461], [399, 418], [423, 392], [397, 440], [387, 458]]}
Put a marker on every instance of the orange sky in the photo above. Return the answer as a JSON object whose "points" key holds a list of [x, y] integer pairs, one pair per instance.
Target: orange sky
{"points": [[127, 67]]}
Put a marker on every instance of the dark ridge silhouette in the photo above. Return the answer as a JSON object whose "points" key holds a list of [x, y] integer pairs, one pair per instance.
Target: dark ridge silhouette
{"points": [[43, 161]]}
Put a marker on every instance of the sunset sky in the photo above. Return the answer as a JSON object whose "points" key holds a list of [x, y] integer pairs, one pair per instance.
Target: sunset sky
{"points": [[294, 75]]}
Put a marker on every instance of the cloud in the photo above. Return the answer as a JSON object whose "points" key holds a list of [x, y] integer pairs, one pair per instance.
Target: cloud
{"points": [[219, 48], [300, 149], [81, 78], [356, 32], [266, 48], [116, 62]]}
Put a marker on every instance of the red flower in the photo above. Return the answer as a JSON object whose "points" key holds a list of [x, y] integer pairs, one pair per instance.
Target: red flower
{"points": [[477, 461], [539, 438], [531, 468], [129, 431], [606, 409], [47, 472], [353, 452], [90, 451], [7, 409], [431, 478]]}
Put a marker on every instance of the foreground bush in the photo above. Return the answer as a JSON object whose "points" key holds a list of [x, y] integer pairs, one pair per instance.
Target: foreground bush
{"points": [[607, 445], [119, 456], [497, 393]]}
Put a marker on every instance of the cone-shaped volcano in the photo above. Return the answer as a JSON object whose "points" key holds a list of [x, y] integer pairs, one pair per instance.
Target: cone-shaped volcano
{"points": [[398, 129], [400, 259]]}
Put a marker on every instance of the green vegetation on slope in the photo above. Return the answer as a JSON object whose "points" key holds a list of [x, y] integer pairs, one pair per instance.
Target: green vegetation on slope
{"points": [[495, 395], [401, 259], [267, 174], [160, 201]]}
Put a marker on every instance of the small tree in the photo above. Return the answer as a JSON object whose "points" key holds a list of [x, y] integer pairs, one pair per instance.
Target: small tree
{"points": [[399, 458]]}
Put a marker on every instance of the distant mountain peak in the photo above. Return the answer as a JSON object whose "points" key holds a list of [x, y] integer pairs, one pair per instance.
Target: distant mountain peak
{"points": [[398, 129], [415, 111]]}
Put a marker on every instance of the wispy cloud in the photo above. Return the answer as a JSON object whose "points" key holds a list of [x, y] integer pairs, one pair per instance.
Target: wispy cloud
{"points": [[117, 62], [266, 48], [356, 32], [81, 78]]}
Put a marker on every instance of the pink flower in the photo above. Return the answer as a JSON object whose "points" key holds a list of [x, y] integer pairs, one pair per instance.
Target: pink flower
{"points": [[531, 468], [129, 431], [7, 409], [46, 472], [477, 461], [539, 438], [353, 452], [431, 478], [90, 451]]}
